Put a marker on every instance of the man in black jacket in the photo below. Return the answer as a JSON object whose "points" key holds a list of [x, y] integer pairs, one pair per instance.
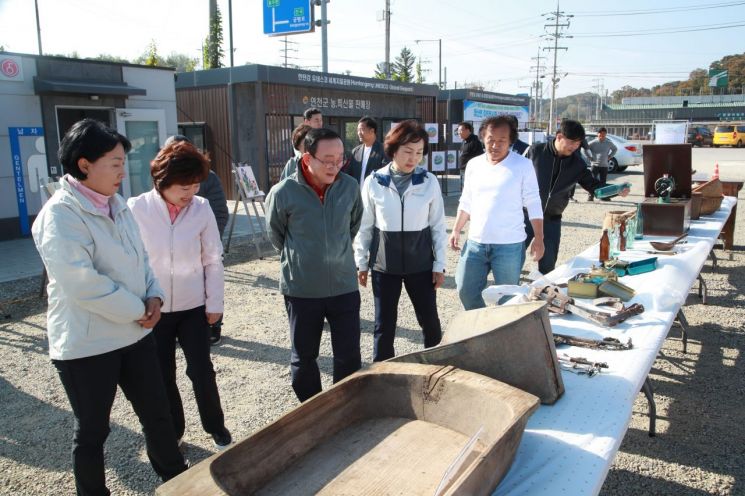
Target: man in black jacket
{"points": [[471, 146], [368, 156], [519, 146], [558, 168]]}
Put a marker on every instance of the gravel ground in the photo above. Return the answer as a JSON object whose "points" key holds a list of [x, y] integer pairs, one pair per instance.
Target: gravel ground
{"points": [[701, 421]]}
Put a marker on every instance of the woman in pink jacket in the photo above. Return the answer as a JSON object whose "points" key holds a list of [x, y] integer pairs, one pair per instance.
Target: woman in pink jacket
{"points": [[181, 237]]}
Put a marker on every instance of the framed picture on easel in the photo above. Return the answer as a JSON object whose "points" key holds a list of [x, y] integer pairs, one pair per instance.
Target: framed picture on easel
{"points": [[248, 193], [247, 182]]}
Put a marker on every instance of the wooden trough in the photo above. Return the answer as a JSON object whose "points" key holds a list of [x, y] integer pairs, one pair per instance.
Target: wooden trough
{"points": [[511, 343], [394, 428]]}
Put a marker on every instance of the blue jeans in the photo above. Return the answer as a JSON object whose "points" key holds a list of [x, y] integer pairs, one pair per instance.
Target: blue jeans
{"points": [[504, 260]]}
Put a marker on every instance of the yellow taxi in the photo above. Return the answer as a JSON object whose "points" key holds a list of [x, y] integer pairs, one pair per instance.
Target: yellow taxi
{"points": [[729, 135]]}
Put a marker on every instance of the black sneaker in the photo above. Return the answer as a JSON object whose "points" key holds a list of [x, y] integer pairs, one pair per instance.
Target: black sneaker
{"points": [[222, 439], [215, 335]]}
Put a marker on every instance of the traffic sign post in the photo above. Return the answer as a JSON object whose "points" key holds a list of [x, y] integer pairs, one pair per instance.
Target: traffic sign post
{"points": [[283, 17]]}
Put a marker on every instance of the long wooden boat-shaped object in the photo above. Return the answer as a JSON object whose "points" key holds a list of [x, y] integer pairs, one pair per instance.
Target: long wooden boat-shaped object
{"points": [[511, 343], [393, 428]]}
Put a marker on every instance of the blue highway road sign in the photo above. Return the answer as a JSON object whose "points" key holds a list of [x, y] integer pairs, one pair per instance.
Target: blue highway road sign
{"points": [[287, 17]]}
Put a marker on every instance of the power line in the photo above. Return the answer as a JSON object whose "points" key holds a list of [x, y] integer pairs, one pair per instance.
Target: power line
{"points": [[689, 29], [663, 11], [555, 16]]}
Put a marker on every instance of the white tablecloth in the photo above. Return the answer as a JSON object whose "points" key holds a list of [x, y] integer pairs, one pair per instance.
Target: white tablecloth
{"points": [[568, 447]]}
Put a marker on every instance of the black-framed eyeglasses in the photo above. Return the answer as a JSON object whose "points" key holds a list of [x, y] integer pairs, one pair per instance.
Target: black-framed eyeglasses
{"points": [[330, 164]]}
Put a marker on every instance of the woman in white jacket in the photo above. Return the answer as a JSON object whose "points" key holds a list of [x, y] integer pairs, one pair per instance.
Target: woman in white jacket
{"points": [[103, 301], [181, 237], [402, 238]]}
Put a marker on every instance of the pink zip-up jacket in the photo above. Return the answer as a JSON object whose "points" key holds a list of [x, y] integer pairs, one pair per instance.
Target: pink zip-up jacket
{"points": [[186, 256]]}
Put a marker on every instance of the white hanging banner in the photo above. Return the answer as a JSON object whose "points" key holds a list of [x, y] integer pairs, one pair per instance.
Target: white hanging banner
{"points": [[455, 135], [433, 132], [452, 156], [438, 161], [423, 161]]}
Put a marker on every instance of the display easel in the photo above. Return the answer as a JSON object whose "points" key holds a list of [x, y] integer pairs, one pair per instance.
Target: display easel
{"points": [[248, 192]]}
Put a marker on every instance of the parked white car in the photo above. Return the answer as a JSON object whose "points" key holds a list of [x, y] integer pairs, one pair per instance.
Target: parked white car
{"points": [[628, 154]]}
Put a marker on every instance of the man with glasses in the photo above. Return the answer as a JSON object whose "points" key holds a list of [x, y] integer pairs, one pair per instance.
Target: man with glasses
{"points": [[558, 167], [312, 218]]}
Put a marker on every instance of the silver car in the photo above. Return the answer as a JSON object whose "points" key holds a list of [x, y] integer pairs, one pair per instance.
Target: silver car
{"points": [[628, 154]]}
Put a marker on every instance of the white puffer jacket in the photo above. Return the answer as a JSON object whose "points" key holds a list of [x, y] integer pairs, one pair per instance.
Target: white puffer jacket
{"points": [[186, 256], [99, 275]]}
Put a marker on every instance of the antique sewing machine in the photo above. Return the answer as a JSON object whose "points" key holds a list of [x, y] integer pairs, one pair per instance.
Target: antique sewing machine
{"points": [[667, 189]]}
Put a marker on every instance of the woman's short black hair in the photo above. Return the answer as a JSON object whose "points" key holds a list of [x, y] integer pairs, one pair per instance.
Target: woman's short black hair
{"points": [[408, 131], [89, 139]]}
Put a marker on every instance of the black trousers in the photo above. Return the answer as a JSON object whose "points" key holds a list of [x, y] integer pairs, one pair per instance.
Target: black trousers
{"points": [[551, 242], [387, 291], [90, 384], [191, 329], [600, 174], [306, 325]]}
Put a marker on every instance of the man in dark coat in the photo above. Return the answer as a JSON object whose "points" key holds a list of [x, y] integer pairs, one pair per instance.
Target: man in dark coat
{"points": [[471, 146], [558, 168], [368, 156]]}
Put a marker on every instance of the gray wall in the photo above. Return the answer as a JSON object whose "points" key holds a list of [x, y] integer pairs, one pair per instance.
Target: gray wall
{"points": [[20, 108]]}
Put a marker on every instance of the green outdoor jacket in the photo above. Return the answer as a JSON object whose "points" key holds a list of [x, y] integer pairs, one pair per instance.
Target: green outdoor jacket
{"points": [[315, 239]]}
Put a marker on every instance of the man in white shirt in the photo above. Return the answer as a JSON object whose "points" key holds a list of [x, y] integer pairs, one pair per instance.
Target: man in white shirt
{"points": [[368, 156], [498, 185]]}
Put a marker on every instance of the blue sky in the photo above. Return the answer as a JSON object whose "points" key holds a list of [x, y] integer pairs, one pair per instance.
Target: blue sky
{"points": [[490, 42]]}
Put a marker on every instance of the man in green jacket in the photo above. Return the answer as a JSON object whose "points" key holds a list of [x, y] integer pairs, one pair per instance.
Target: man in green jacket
{"points": [[312, 218]]}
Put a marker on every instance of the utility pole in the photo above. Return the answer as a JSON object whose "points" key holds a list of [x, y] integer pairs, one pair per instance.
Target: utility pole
{"points": [[597, 89], [530, 97], [230, 29], [556, 17], [284, 51], [324, 37], [539, 68], [387, 19], [439, 78], [439, 84], [38, 26]]}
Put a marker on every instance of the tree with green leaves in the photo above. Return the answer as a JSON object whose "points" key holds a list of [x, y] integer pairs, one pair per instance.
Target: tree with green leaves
{"points": [[181, 62], [403, 67], [212, 51], [419, 72], [380, 71], [110, 58], [151, 55]]}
